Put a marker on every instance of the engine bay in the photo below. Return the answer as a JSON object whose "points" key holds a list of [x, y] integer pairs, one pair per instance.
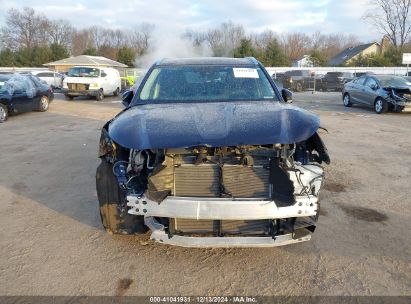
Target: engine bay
{"points": [[274, 172]]}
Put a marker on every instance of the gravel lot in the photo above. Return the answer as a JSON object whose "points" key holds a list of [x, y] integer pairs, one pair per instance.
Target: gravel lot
{"points": [[52, 243]]}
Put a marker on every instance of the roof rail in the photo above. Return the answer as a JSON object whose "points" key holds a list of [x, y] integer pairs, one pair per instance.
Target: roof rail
{"points": [[159, 61], [252, 59]]}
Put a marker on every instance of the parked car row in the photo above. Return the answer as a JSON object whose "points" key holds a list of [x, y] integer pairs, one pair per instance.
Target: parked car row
{"points": [[23, 93], [84, 81], [297, 80], [305, 80]]}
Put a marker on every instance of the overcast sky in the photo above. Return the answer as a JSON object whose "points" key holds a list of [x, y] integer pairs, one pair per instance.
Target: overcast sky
{"points": [[306, 16]]}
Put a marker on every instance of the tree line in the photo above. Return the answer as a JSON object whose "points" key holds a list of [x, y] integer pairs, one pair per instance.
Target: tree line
{"points": [[270, 48], [28, 38]]}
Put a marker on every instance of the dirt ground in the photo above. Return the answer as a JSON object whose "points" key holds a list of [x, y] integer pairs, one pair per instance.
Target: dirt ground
{"points": [[52, 243]]}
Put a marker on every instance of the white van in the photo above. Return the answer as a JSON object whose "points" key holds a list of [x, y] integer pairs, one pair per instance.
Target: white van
{"points": [[91, 81]]}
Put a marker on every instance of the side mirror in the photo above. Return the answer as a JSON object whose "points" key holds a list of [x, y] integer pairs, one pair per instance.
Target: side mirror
{"points": [[103, 75], [287, 95], [374, 87], [127, 97]]}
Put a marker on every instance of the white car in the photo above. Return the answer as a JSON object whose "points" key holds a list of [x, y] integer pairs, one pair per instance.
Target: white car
{"points": [[53, 79], [91, 81]]}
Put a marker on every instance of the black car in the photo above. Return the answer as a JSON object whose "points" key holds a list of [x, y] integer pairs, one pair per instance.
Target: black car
{"points": [[23, 93], [208, 153], [359, 74], [334, 81], [298, 80]]}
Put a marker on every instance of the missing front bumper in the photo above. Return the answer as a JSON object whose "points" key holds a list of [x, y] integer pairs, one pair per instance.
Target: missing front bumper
{"points": [[160, 235], [226, 209], [221, 208]]}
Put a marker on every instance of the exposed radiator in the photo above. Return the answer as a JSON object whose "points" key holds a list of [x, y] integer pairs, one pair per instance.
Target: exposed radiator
{"points": [[204, 181], [225, 227], [241, 181], [201, 180], [245, 227]]}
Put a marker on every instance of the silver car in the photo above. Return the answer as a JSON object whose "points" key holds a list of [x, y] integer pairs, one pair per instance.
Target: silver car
{"points": [[382, 92]]}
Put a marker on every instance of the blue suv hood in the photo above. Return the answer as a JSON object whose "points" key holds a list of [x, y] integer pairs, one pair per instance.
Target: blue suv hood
{"points": [[216, 124]]}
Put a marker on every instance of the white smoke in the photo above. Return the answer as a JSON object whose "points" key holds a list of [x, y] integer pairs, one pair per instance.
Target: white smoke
{"points": [[170, 44]]}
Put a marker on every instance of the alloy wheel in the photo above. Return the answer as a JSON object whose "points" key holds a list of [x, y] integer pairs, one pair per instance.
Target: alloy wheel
{"points": [[3, 114], [346, 100], [378, 106], [44, 103]]}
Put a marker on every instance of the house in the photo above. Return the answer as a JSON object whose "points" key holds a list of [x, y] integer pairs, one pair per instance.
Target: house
{"points": [[303, 62], [353, 53], [64, 65]]}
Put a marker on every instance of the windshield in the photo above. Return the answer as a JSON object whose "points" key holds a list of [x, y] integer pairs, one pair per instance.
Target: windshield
{"points": [[207, 83], [394, 82], [83, 72], [3, 79]]}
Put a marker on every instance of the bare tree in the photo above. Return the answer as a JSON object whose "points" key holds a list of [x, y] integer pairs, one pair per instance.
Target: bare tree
{"points": [[97, 36], [261, 40], [197, 38], [330, 45], [232, 33], [140, 38], [295, 45], [24, 29], [118, 38], [82, 40], [391, 17], [214, 39], [60, 32], [221, 40]]}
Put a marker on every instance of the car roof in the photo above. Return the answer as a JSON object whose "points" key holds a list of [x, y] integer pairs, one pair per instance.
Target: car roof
{"points": [[5, 77], [382, 77], [89, 67], [43, 71], [339, 72], [208, 61]]}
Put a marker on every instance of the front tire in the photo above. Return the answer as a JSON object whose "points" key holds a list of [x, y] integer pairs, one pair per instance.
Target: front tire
{"points": [[116, 92], [69, 97], [380, 106], [347, 100], [44, 103], [100, 95], [4, 113], [299, 87], [110, 197]]}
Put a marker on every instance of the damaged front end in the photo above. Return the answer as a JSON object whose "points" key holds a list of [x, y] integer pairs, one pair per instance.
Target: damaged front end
{"points": [[399, 98], [231, 195]]}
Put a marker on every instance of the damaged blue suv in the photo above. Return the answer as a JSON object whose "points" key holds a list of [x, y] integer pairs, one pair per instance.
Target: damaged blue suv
{"points": [[208, 153]]}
